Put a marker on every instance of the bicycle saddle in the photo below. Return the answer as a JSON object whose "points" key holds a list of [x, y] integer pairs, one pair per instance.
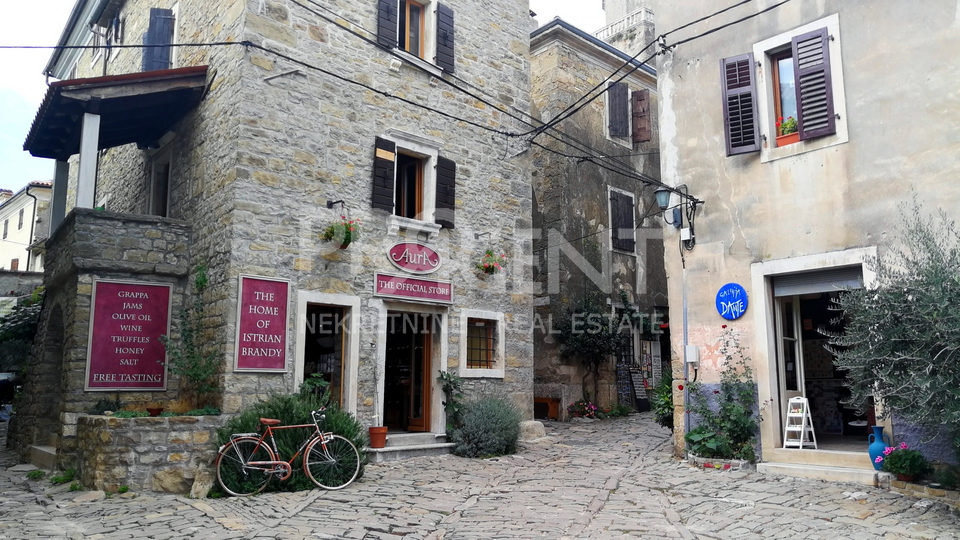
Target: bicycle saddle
{"points": [[270, 421]]}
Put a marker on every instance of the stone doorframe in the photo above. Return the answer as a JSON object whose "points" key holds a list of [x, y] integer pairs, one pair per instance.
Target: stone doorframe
{"points": [[351, 354]]}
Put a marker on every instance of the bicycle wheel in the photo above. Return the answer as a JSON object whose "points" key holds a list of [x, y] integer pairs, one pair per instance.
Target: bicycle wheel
{"points": [[234, 475], [332, 464]]}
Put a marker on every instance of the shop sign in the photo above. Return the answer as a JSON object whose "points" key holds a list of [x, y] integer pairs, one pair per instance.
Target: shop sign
{"points": [[408, 288], [262, 324], [731, 301], [124, 351], [414, 258]]}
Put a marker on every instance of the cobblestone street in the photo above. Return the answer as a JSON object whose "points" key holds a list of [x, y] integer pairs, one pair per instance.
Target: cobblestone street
{"points": [[599, 480]]}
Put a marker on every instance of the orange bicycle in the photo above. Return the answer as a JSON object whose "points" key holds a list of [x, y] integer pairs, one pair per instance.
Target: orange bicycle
{"points": [[247, 463]]}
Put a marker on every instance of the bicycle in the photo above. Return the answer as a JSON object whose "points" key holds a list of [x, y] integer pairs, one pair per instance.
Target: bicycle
{"points": [[247, 463]]}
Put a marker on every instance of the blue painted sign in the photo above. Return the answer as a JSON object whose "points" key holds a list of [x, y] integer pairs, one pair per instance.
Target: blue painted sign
{"points": [[731, 301]]}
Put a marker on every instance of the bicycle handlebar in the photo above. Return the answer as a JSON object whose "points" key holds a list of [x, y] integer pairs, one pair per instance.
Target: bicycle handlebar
{"points": [[318, 416]]}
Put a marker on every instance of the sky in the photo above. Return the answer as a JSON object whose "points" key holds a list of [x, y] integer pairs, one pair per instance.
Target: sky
{"points": [[40, 22]]}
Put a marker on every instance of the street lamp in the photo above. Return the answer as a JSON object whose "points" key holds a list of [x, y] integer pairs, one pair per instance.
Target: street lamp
{"points": [[687, 205]]}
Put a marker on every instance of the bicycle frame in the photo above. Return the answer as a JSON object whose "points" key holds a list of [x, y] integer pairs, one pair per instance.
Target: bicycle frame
{"points": [[283, 469]]}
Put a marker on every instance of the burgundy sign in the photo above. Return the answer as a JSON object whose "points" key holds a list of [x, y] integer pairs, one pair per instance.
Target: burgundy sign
{"points": [[414, 258], [412, 288], [125, 352], [262, 324]]}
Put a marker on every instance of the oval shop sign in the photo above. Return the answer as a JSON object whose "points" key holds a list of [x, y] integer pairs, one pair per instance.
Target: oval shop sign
{"points": [[731, 301], [414, 258]]}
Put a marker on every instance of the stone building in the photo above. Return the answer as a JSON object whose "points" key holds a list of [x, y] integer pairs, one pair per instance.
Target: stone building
{"points": [[792, 218], [594, 180], [236, 150]]}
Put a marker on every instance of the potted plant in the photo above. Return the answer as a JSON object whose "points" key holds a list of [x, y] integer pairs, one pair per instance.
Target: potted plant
{"points": [[491, 263], [582, 409], [342, 232], [907, 464], [787, 131]]}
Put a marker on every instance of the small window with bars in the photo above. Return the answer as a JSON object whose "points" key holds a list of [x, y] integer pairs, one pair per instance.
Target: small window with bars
{"points": [[481, 343]]}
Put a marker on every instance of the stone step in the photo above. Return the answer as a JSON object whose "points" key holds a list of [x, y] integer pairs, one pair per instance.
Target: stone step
{"points": [[868, 477], [414, 439], [830, 458], [396, 453], [53, 440], [44, 457]]}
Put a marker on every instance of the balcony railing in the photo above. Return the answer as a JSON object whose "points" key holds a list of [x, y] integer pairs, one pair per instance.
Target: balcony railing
{"points": [[638, 17]]}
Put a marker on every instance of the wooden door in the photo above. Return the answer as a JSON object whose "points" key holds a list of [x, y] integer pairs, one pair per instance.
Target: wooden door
{"points": [[420, 370]]}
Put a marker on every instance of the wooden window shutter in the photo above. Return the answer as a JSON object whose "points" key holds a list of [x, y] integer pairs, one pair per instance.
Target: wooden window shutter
{"points": [[387, 21], [384, 167], [160, 32], [740, 105], [618, 117], [446, 192], [444, 59], [811, 54], [640, 105], [621, 221]]}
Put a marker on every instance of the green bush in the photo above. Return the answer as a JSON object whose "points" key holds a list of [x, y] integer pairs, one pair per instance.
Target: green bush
{"points": [[491, 427], [105, 405], [66, 476], [662, 402], [295, 409], [130, 414]]}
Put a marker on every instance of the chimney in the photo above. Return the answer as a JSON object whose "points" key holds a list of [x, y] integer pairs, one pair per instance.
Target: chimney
{"points": [[5, 195]]}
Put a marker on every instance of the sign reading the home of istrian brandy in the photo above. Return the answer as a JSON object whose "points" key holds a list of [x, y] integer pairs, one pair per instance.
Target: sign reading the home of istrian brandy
{"points": [[124, 351], [414, 258], [262, 324], [409, 288]]}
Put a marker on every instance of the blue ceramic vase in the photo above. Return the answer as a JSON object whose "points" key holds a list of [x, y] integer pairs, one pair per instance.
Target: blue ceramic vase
{"points": [[878, 443]]}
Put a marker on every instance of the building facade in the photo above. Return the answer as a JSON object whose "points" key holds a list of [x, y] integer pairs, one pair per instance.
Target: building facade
{"points": [[598, 247], [389, 116], [792, 217], [24, 218]]}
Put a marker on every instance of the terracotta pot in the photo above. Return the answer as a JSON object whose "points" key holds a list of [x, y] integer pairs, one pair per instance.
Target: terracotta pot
{"points": [[378, 436], [344, 245], [905, 477], [154, 411], [790, 138]]}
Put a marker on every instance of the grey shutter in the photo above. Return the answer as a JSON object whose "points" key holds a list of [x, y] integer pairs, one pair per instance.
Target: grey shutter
{"points": [[621, 221], [160, 32], [384, 167], [811, 54], [618, 116], [444, 59], [740, 105], [387, 20], [640, 108], [446, 192], [832, 280]]}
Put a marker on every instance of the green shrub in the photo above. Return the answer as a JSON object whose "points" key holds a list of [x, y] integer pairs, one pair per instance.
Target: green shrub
{"points": [[618, 411], [123, 489], [105, 405], [130, 414], [36, 474], [662, 402], [64, 477], [204, 411], [75, 486], [295, 409], [491, 427]]}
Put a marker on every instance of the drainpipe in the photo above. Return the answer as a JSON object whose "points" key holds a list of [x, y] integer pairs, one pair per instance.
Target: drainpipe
{"points": [[33, 223], [686, 365]]}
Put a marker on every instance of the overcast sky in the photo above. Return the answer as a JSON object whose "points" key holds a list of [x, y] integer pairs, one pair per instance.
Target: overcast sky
{"points": [[40, 22]]}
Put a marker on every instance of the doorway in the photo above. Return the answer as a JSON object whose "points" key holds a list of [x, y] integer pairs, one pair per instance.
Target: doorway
{"points": [[324, 346], [806, 368], [408, 370]]}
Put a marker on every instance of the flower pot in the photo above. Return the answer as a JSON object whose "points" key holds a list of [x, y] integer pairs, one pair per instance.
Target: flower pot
{"points": [[154, 411], [344, 245], [789, 138], [878, 443], [905, 477], [378, 436]]}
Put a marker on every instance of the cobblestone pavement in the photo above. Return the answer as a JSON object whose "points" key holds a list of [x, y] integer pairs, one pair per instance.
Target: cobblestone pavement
{"points": [[600, 480]]}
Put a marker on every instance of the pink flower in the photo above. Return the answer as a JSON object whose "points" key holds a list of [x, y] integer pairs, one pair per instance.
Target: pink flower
{"points": [[903, 446], [889, 450], [878, 460]]}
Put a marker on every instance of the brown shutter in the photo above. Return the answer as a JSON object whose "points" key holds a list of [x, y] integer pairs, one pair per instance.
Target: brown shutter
{"points": [[384, 167], [159, 32], [446, 192], [740, 104], [811, 53], [621, 221], [444, 59], [618, 116], [640, 102], [387, 12]]}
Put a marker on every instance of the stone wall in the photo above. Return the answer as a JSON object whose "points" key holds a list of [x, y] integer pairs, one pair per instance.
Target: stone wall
{"points": [[90, 245], [146, 454], [21, 283]]}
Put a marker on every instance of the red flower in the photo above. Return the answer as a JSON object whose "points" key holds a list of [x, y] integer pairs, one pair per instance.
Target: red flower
{"points": [[723, 326], [680, 387]]}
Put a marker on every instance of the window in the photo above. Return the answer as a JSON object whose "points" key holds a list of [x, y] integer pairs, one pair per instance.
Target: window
{"points": [[14, 264], [20, 221], [481, 344], [6, 223], [793, 74], [160, 33], [422, 29], [158, 197], [628, 114], [414, 183], [622, 232]]}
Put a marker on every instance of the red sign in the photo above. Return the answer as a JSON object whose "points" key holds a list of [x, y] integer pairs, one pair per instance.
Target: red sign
{"points": [[414, 258], [262, 324], [409, 288], [125, 352]]}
